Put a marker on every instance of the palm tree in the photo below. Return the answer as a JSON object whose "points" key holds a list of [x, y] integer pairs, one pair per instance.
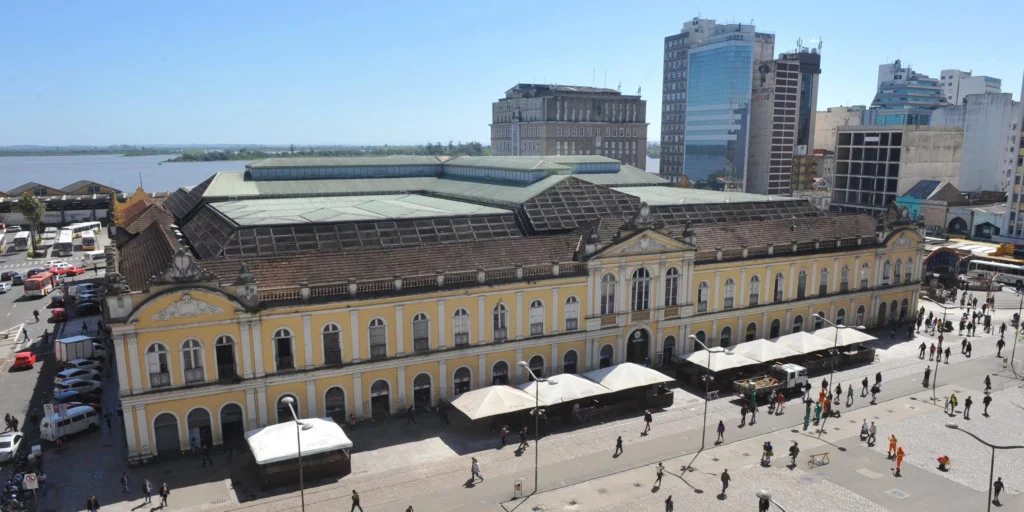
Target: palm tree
{"points": [[33, 209]]}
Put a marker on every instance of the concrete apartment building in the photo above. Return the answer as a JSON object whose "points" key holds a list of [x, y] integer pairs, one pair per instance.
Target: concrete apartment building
{"points": [[828, 121], [549, 119], [1013, 229], [992, 125], [876, 164], [957, 85], [701, 63], [904, 97]]}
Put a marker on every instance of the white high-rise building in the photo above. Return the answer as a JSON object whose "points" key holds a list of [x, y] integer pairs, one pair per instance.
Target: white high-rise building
{"points": [[956, 85]]}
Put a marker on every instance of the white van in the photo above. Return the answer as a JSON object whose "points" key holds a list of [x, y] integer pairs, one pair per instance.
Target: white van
{"points": [[98, 258], [79, 419]]}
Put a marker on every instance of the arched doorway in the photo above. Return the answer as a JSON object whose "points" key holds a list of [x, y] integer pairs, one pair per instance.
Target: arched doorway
{"points": [[380, 398], [199, 427], [904, 306], [569, 362], [751, 332], [775, 329], [334, 405], [637, 349], [892, 311], [421, 392], [499, 373], [462, 381], [607, 354], [881, 315], [232, 424], [284, 414], [668, 349], [537, 367], [165, 433], [725, 340]]}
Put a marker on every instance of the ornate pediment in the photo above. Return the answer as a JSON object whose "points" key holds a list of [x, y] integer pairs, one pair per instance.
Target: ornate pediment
{"points": [[182, 268], [903, 241], [187, 307], [646, 242]]}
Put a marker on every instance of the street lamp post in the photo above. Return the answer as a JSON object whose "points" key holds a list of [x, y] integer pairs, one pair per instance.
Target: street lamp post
{"points": [[536, 423], [765, 495], [935, 377], [707, 384], [835, 343], [992, 466], [298, 443]]}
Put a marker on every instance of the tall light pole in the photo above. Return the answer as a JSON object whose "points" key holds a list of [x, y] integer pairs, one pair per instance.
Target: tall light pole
{"points": [[298, 443], [707, 384], [835, 343], [992, 467], [536, 423], [765, 495], [942, 325]]}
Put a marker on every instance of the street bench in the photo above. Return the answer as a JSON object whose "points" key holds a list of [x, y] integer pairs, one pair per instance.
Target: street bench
{"points": [[712, 395], [818, 459]]}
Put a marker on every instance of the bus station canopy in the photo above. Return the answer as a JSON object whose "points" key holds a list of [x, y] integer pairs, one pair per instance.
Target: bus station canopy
{"points": [[764, 351], [493, 400], [627, 376], [844, 337], [565, 387], [278, 442]]}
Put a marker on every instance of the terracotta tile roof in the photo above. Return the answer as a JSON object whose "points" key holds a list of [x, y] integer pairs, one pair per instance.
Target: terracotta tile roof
{"points": [[761, 233], [134, 210], [146, 255], [149, 215], [365, 265]]}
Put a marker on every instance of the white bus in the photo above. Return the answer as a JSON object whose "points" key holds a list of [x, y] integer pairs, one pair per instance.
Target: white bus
{"points": [[998, 271], [65, 243], [83, 227], [21, 241]]}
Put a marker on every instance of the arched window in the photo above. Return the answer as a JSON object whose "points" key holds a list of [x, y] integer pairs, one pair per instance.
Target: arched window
{"points": [[499, 322], [801, 284], [860, 315], [701, 337], [844, 279], [569, 362], [798, 323], [192, 361], [378, 338], [499, 373], [897, 275], [668, 348], [640, 290], [775, 330], [751, 333], [460, 326], [908, 272], [755, 290], [284, 354], [284, 413], [606, 356], [819, 322], [703, 290], [159, 365], [463, 380], [572, 313], [536, 318], [537, 367], [730, 293], [865, 273], [841, 317], [331, 338], [780, 287], [334, 404], [823, 282], [726, 338], [672, 287], [886, 272], [224, 354], [608, 294], [420, 333]]}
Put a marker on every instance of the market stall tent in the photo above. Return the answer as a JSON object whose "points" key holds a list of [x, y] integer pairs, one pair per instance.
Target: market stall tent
{"points": [[492, 401], [627, 376], [803, 343], [564, 388], [764, 351], [847, 336], [721, 359], [278, 442]]}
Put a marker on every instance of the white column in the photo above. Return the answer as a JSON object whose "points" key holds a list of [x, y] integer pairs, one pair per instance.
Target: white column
{"points": [[743, 299], [519, 369], [246, 350], [620, 353], [855, 285], [622, 291], [813, 280], [250, 408], [765, 328], [519, 315], [307, 338], [481, 371], [353, 321], [588, 356], [261, 400], [718, 292], [143, 425], [688, 284], [129, 432], [834, 287], [792, 281], [357, 394], [742, 328], [311, 409], [122, 368], [442, 323], [832, 311], [768, 287], [133, 359], [553, 367], [401, 387], [714, 334], [442, 373], [656, 347], [787, 327], [257, 350], [684, 336], [556, 306], [400, 329], [481, 317]]}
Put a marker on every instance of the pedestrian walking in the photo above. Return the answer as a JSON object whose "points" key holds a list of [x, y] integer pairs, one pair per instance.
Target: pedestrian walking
{"points": [[523, 442], [947, 355], [839, 391], [931, 352], [410, 415], [669, 506], [766, 455], [92, 504], [874, 393], [892, 446], [647, 422], [743, 414], [753, 414], [721, 431], [922, 348], [164, 493], [864, 387], [147, 491], [794, 451], [503, 432], [872, 432], [780, 401], [659, 472], [124, 484], [849, 395], [618, 446], [355, 502], [206, 455], [900, 454], [927, 375], [475, 468], [999, 345], [763, 504], [878, 380], [986, 401], [952, 404], [988, 384], [7, 421], [963, 346], [824, 384], [969, 349], [725, 480], [997, 487], [967, 408]]}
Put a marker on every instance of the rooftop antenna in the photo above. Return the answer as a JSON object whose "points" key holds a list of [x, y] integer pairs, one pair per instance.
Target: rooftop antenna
{"points": [[140, 179], [606, 79], [620, 86]]}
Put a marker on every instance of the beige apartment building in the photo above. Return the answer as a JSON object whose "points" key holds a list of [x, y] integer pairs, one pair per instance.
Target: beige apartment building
{"points": [[545, 120]]}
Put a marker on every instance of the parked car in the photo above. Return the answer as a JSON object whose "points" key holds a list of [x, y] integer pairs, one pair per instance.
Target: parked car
{"points": [[5, 287], [13, 229], [76, 373], [58, 315], [77, 420], [7, 276], [9, 444], [85, 288], [88, 297], [87, 386], [84, 364], [87, 308], [53, 263], [75, 270], [57, 300], [35, 271], [24, 360], [17, 279], [77, 398], [60, 268]]}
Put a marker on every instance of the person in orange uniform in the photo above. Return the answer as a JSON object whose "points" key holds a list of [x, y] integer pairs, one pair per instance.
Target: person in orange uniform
{"points": [[899, 459], [892, 446]]}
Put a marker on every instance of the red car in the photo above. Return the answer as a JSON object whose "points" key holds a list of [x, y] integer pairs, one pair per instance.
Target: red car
{"points": [[58, 315], [24, 360], [59, 270], [75, 270]]}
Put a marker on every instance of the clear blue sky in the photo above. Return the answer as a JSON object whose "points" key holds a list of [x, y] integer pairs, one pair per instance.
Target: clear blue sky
{"points": [[329, 72]]}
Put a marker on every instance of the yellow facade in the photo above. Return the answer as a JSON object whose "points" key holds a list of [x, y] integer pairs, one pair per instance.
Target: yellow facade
{"points": [[187, 352]]}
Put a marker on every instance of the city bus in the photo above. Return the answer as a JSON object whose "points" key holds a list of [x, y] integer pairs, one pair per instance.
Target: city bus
{"points": [[21, 241], [89, 241], [65, 244], [1006, 273], [40, 284], [82, 227]]}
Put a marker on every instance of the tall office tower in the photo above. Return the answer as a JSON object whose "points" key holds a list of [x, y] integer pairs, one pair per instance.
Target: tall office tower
{"points": [[904, 97], [712, 58], [956, 85], [543, 119]]}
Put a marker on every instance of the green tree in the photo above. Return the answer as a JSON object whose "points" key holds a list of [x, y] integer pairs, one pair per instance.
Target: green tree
{"points": [[33, 209], [292, 148]]}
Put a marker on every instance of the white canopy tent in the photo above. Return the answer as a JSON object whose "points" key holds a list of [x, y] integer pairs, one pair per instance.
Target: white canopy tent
{"points": [[803, 343], [278, 442], [763, 351], [564, 388], [846, 336], [627, 376], [493, 400], [721, 359]]}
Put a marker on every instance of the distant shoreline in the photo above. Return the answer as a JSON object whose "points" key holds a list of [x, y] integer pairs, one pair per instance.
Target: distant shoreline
{"points": [[130, 153]]}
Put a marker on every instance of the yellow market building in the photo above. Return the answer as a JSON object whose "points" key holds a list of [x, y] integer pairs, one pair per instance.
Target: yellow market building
{"points": [[361, 286]]}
